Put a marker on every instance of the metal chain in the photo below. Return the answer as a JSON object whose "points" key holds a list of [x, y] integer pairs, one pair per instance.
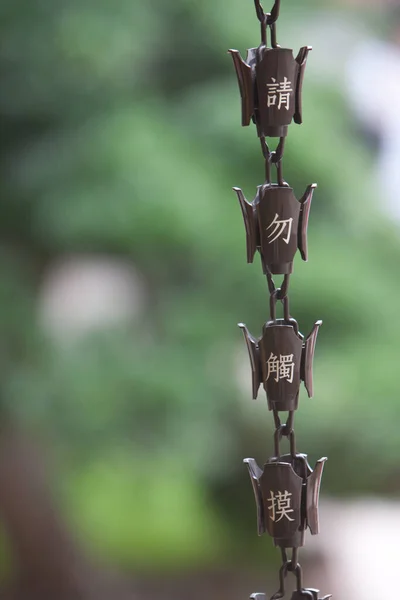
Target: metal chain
{"points": [[268, 88], [274, 158], [268, 20]]}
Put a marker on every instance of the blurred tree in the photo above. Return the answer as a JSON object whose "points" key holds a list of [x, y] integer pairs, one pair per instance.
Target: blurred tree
{"points": [[121, 136]]}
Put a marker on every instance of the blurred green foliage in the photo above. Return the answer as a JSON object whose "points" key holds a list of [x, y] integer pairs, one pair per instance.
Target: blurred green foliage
{"points": [[121, 135]]}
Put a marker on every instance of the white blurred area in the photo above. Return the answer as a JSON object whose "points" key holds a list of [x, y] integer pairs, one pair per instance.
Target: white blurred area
{"points": [[373, 84], [358, 539], [358, 543], [80, 294], [365, 65]]}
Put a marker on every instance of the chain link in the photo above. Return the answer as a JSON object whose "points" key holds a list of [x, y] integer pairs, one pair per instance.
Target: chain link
{"points": [[268, 20], [289, 566], [273, 158]]}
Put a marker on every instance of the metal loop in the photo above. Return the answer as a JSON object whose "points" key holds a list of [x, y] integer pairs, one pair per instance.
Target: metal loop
{"points": [[295, 557], [271, 284], [272, 304], [282, 292], [283, 571], [281, 432], [265, 148], [260, 11], [277, 438], [273, 16], [266, 154], [292, 439], [274, 41], [286, 309], [288, 428], [267, 18], [294, 560], [277, 419], [297, 570], [279, 171], [275, 158], [263, 33]]}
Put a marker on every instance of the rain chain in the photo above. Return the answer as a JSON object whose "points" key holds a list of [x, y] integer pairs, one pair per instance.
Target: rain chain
{"points": [[286, 490]]}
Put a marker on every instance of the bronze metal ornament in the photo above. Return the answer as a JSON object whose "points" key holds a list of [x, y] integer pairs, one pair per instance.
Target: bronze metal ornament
{"points": [[286, 489]]}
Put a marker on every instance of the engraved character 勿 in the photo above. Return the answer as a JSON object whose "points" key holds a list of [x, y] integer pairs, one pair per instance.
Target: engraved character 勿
{"points": [[279, 229], [276, 225]]}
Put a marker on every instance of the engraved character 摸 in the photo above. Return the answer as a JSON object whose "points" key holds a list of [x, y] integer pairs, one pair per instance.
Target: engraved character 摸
{"points": [[280, 506], [283, 368], [279, 229], [279, 91]]}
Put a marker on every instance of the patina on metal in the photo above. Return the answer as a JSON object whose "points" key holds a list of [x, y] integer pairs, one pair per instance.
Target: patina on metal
{"points": [[276, 225], [286, 493], [270, 79], [286, 489], [280, 359]]}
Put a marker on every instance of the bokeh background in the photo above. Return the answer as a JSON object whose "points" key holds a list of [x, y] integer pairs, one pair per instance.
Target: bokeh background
{"points": [[125, 385]]}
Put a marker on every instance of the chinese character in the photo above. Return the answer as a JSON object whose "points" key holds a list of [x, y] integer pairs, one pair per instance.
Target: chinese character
{"points": [[283, 368], [273, 366], [280, 506], [286, 367], [279, 229], [280, 91]]}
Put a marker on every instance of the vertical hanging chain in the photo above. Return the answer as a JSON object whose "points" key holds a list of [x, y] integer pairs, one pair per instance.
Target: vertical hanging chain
{"points": [[286, 490]]}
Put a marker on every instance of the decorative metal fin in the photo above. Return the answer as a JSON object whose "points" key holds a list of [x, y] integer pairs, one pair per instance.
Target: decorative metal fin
{"points": [[250, 224], [245, 80], [303, 220], [301, 60], [255, 473], [254, 354], [258, 597], [306, 373], [313, 487]]}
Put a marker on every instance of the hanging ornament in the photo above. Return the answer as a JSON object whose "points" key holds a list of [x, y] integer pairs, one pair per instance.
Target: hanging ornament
{"points": [[286, 490]]}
